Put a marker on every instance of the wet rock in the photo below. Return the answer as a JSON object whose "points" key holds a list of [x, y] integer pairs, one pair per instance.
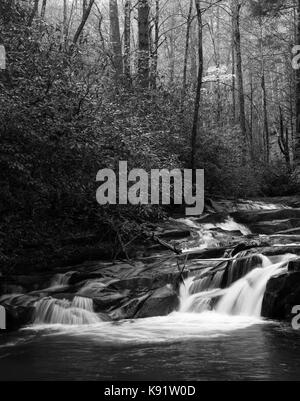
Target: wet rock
{"points": [[279, 250], [282, 294], [109, 300], [272, 227], [147, 280], [270, 215], [130, 308], [161, 303], [294, 266], [19, 310]]}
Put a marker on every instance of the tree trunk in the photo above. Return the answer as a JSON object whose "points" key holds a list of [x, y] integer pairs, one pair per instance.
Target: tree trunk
{"points": [[84, 6], [65, 22], [266, 135], [127, 41], [233, 76], [251, 109], [83, 21], [186, 51], [239, 69], [33, 12], [115, 38], [171, 49], [43, 9], [199, 86], [156, 46], [144, 49], [297, 134], [283, 141], [266, 120]]}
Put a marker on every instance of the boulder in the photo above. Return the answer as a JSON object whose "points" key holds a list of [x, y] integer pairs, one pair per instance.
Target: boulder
{"points": [[282, 294], [294, 265], [19, 310], [161, 303], [130, 308]]}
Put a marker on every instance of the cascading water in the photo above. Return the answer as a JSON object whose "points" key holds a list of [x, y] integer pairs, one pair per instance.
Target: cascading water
{"points": [[243, 265], [53, 311], [205, 232], [244, 297], [60, 280]]}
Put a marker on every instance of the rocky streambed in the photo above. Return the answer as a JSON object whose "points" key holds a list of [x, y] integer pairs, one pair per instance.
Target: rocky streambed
{"points": [[214, 251]]}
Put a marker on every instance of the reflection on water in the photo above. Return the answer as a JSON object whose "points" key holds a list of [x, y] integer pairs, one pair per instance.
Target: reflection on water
{"points": [[221, 349]]}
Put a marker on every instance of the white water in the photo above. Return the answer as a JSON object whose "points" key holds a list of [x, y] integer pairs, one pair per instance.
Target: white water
{"points": [[208, 314], [206, 238], [53, 311], [243, 298], [229, 225], [61, 280]]}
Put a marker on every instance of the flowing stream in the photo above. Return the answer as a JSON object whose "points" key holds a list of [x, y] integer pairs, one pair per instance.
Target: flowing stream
{"points": [[216, 333]]}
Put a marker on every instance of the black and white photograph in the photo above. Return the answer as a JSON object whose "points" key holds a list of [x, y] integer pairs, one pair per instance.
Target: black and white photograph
{"points": [[149, 193]]}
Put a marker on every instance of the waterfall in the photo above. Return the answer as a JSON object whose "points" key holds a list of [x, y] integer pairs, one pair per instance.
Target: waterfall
{"points": [[235, 270], [243, 265], [208, 282], [61, 280], [229, 225], [195, 302], [55, 311], [207, 237], [244, 297], [83, 303]]}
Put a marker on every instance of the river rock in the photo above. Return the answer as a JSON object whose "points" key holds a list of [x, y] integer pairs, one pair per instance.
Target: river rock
{"points": [[19, 310], [130, 308], [282, 294], [161, 303], [294, 265]]}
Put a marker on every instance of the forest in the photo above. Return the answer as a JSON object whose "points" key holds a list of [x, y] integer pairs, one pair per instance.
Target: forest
{"points": [[157, 83]]}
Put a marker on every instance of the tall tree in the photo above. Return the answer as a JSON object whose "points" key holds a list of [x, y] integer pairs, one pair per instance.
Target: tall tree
{"points": [[144, 43], [43, 9], [33, 12], [186, 49], [65, 21], [127, 40], [84, 19], [236, 9], [115, 38], [195, 127], [264, 95], [297, 134], [156, 45]]}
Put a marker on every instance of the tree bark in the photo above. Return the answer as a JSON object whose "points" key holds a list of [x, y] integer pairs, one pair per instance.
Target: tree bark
{"points": [[297, 134], [65, 22], [144, 49], [83, 21], [233, 76], [156, 46], [264, 98], [43, 9], [115, 38], [199, 86], [236, 8], [186, 51], [33, 12], [127, 41]]}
